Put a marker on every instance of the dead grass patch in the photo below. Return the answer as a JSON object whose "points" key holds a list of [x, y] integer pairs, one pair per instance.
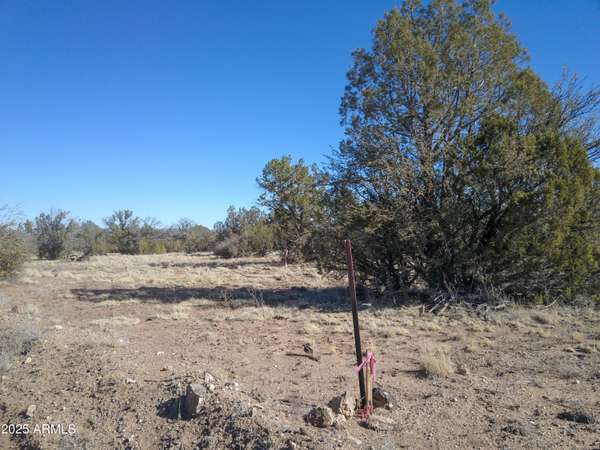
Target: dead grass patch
{"points": [[436, 362], [545, 317], [116, 321], [16, 341]]}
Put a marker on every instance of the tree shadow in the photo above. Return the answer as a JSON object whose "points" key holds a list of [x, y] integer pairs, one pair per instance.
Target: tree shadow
{"points": [[325, 299]]}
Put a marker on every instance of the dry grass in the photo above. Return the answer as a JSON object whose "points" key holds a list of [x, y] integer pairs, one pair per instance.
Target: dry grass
{"points": [[545, 317], [16, 341], [435, 361], [116, 321]]}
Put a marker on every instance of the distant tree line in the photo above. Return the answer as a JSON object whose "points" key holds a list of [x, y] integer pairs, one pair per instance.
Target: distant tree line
{"points": [[55, 234]]}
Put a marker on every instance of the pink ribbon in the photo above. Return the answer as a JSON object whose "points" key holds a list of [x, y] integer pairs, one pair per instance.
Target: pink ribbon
{"points": [[369, 359]]}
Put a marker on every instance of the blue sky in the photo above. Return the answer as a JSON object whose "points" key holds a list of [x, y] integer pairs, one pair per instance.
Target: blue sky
{"points": [[172, 108]]}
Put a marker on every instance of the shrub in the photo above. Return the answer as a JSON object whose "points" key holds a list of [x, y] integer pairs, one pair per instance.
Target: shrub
{"points": [[13, 247], [16, 341], [150, 247], [198, 239], [124, 231], [257, 240], [435, 362], [52, 231], [245, 232], [13, 252], [229, 248]]}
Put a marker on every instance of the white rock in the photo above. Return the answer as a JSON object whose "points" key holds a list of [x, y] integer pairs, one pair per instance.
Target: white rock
{"points": [[30, 411], [321, 416], [209, 378], [345, 405]]}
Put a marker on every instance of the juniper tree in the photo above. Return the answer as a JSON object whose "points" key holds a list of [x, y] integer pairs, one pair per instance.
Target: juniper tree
{"points": [[460, 166], [52, 231], [124, 231], [293, 195]]}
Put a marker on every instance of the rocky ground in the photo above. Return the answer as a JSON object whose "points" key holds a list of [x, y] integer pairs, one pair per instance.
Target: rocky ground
{"points": [[101, 354]]}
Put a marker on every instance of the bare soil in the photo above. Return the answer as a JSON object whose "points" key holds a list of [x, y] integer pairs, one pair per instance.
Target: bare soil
{"points": [[109, 345]]}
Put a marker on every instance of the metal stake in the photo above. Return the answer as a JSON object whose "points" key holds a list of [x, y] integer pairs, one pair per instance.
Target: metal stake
{"points": [[352, 285]]}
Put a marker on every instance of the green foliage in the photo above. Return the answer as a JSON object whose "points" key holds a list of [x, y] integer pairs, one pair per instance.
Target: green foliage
{"points": [[198, 239], [460, 168], [293, 195], [124, 231], [244, 232], [151, 247], [52, 231], [13, 249], [90, 239]]}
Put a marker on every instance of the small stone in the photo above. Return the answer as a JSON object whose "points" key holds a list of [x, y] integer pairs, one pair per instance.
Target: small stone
{"points": [[211, 387], [232, 385], [345, 405], [30, 411], [209, 378], [340, 421], [383, 399], [355, 441], [291, 445], [462, 370], [321, 416], [130, 381], [194, 398], [28, 360]]}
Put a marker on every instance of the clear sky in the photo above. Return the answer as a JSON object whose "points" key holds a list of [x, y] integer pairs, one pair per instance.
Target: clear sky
{"points": [[172, 108]]}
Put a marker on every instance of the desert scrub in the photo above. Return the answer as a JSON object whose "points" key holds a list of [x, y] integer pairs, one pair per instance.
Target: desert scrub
{"points": [[14, 342], [13, 252], [435, 361]]}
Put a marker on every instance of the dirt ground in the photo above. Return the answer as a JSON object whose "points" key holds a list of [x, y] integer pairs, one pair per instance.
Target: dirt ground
{"points": [[107, 347]]}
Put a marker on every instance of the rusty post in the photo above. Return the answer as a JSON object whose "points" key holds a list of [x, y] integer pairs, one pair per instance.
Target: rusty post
{"points": [[352, 286]]}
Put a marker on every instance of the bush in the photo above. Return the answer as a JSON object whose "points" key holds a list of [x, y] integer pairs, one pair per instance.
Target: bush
{"points": [[245, 232], [150, 247], [198, 239], [229, 248], [52, 231], [13, 247], [257, 240], [13, 252]]}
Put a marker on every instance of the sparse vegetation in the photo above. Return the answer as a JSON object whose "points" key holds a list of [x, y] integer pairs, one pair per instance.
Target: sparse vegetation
{"points": [[16, 341], [435, 361]]}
